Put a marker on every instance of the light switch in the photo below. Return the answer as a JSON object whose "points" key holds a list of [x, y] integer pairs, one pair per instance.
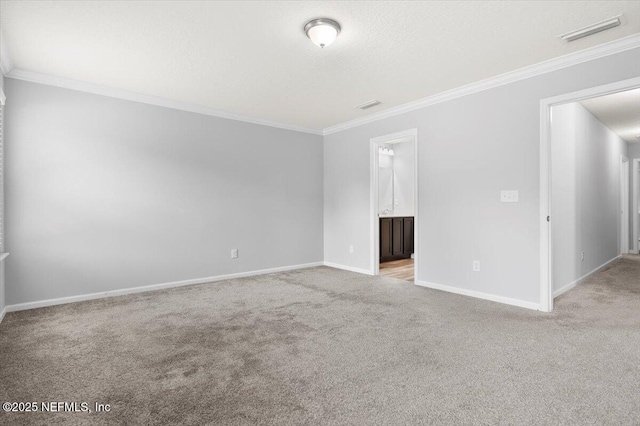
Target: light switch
{"points": [[509, 196]]}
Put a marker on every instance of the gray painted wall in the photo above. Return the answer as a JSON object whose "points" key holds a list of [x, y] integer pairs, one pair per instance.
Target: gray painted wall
{"points": [[2, 276], [469, 149], [585, 193], [105, 194], [3, 303]]}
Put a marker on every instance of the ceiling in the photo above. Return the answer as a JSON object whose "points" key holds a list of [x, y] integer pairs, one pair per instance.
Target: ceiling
{"points": [[620, 112], [253, 59]]}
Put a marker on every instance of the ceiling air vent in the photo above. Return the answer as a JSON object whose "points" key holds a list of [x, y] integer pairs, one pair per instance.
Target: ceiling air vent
{"points": [[368, 105], [592, 29]]}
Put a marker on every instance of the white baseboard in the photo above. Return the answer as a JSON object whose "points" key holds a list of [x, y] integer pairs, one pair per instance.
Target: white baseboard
{"points": [[634, 252], [152, 287], [348, 268], [569, 286], [3, 313], [480, 295]]}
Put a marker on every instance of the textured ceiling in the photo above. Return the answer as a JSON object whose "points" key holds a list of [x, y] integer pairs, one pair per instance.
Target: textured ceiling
{"points": [[620, 112], [253, 59]]}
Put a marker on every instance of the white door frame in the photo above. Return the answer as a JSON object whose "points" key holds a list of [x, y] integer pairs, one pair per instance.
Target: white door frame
{"points": [[635, 206], [546, 278], [373, 185], [624, 205]]}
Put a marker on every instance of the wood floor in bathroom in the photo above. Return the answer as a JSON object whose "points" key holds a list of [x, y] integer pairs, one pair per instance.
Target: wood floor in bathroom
{"points": [[400, 269]]}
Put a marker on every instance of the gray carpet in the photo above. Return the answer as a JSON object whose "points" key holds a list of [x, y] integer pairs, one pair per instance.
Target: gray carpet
{"points": [[323, 346]]}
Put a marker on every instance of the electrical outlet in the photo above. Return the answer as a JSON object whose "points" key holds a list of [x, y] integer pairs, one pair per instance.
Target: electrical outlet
{"points": [[350, 249], [476, 266], [582, 256], [234, 253], [509, 196]]}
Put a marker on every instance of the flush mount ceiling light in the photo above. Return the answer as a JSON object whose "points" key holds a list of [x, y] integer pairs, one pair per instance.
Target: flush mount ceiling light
{"points": [[322, 32], [592, 29]]}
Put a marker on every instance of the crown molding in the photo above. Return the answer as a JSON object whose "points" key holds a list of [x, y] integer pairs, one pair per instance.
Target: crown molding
{"points": [[595, 52], [575, 58], [6, 64], [51, 80]]}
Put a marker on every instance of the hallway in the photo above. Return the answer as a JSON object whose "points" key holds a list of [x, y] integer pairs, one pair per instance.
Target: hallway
{"points": [[611, 296]]}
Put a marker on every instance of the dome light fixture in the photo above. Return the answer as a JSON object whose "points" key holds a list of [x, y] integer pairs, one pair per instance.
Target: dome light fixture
{"points": [[322, 31]]}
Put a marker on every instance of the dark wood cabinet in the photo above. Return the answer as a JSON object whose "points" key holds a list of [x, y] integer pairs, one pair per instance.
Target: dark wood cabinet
{"points": [[407, 232], [385, 239], [396, 238]]}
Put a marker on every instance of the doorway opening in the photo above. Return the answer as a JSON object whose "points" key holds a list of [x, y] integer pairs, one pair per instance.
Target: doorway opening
{"points": [[394, 205], [584, 184]]}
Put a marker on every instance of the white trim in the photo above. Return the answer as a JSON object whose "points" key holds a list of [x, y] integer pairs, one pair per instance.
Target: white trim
{"points": [[3, 313], [624, 204], [416, 209], [480, 295], [51, 80], [3, 256], [575, 58], [374, 206], [571, 285], [546, 258], [635, 210], [374, 227], [153, 287], [3, 98], [6, 64], [347, 268], [546, 243]]}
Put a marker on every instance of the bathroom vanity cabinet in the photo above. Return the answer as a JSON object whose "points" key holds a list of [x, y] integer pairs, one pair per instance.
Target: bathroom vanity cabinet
{"points": [[396, 238]]}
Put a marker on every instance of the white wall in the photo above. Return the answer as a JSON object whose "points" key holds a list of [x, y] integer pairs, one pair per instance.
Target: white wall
{"points": [[565, 196], [396, 180], [106, 194], [469, 149], [634, 152], [404, 178], [385, 182], [585, 193]]}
